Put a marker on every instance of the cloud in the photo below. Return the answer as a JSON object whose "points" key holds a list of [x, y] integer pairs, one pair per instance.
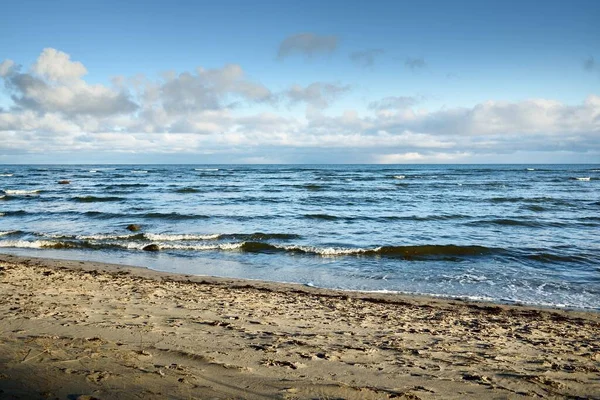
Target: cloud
{"points": [[223, 113], [55, 65], [318, 94], [366, 58], [307, 44], [6, 67], [415, 63], [54, 85], [416, 157], [394, 103], [207, 89]]}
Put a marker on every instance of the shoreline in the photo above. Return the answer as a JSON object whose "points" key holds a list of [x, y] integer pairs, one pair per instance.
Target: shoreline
{"points": [[276, 286], [114, 331]]}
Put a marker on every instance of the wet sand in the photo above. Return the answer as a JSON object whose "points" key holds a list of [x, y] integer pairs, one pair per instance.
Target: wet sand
{"points": [[71, 329]]}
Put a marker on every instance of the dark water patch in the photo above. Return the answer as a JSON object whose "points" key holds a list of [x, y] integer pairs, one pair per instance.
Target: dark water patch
{"points": [[172, 216], [325, 217], [410, 253], [16, 213], [259, 236], [187, 190], [96, 199], [432, 251], [534, 207], [516, 222], [557, 258], [313, 187], [123, 185], [533, 200]]}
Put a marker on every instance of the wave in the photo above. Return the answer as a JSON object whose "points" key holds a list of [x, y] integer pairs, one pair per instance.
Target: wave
{"points": [[399, 176], [313, 187], [6, 175], [532, 200], [326, 217], [167, 237], [124, 185], [555, 258], [187, 190], [410, 253], [96, 199], [136, 171], [172, 216], [514, 222], [206, 169], [586, 178], [22, 192]]}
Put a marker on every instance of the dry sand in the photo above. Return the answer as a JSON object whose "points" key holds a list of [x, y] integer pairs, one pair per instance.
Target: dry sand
{"points": [[72, 330]]}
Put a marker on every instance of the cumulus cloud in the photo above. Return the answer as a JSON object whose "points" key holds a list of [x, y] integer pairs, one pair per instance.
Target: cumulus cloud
{"points": [[307, 44], [415, 63], [55, 85], [318, 94], [57, 66], [207, 89], [366, 58]]}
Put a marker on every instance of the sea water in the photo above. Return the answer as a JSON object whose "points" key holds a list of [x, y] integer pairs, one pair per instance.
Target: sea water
{"points": [[508, 233]]}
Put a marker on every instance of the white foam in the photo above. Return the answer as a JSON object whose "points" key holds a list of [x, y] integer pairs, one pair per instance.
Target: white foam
{"points": [[174, 237], [4, 233], [93, 171], [135, 171], [587, 178], [36, 244], [206, 169], [177, 246], [21, 192], [6, 174], [327, 251], [399, 176], [100, 237], [530, 169]]}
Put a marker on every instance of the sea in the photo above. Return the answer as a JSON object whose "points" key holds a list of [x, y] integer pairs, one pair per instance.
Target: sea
{"points": [[527, 234]]}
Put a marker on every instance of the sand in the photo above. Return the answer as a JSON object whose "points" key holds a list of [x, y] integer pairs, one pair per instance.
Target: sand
{"points": [[83, 330]]}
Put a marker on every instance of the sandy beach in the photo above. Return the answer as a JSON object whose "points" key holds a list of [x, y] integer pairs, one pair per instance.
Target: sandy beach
{"points": [[83, 330]]}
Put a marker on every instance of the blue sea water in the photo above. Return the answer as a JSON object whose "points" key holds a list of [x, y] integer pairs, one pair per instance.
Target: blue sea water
{"points": [[509, 233]]}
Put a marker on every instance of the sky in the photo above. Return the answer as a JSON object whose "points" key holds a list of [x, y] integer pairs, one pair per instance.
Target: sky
{"points": [[300, 82]]}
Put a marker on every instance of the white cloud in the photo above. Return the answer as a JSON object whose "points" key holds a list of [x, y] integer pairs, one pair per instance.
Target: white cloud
{"points": [[318, 94], [55, 86], [57, 66]]}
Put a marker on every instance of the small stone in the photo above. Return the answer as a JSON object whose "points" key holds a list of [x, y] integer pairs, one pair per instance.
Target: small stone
{"points": [[151, 247], [133, 227]]}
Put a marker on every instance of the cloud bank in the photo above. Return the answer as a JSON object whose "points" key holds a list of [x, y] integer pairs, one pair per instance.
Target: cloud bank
{"points": [[223, 114]]}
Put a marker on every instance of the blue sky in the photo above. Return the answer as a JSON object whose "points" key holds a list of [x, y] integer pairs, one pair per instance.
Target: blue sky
{"points": [[336, 81]]}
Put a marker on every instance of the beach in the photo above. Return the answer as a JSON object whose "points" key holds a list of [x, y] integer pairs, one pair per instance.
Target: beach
{"points": [[74, 329]]}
